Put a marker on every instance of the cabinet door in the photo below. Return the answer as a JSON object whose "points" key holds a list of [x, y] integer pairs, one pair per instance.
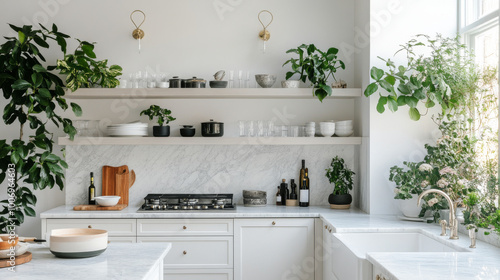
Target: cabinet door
{"points": [[327, 253], [184, 227], [115, 227], [196, 252], [269, 249]]}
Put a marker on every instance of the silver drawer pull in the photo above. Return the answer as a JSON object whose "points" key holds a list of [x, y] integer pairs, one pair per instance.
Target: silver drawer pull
{"points": [[274, 223]]}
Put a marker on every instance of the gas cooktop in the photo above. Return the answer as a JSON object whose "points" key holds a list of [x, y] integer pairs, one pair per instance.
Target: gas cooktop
{"points": [[176, 202]]}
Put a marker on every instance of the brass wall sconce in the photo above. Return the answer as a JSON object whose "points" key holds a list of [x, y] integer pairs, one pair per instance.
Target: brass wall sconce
{"points": [[138, 33], [264, 34]]}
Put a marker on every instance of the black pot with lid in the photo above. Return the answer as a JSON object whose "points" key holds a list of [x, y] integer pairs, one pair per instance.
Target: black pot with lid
{"points": [[175, 82], [196, 83], [212, 129]]}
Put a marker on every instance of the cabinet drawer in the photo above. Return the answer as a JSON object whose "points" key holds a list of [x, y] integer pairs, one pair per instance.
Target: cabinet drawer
{"points": [[122, 239], [196, 252], [199, 274], [184, 227], [115, 227]]}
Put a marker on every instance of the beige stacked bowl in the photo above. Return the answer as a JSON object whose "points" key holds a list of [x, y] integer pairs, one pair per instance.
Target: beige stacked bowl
{"points": [[253, 198]]}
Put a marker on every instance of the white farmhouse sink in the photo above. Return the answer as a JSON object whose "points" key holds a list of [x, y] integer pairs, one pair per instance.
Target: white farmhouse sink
{"points": [[349, 249]]}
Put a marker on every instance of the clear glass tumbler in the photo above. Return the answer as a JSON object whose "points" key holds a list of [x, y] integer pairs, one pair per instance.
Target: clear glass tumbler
{"points": [[241, 126]]}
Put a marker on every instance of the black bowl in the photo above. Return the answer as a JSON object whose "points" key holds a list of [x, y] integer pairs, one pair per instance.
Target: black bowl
{"points": [[218, 84], [188, 132]]}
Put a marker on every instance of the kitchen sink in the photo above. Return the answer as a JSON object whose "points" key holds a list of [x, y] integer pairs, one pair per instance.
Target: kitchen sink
{"points": [[349, 249]]}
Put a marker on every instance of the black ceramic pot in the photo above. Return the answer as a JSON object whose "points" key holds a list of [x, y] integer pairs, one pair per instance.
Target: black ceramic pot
{"points": [[212, 129], [187, 131], [340, 199], [161, 131]]}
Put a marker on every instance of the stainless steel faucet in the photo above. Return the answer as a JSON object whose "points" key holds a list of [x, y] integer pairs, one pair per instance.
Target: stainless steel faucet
{"points": [[453, 220]]}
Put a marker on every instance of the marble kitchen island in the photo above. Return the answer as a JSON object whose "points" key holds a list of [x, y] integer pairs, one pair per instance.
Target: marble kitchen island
{"points": [[119, 261]]}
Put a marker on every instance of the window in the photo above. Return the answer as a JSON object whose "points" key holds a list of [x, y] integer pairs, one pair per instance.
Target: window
{"points": [[479, 28]]}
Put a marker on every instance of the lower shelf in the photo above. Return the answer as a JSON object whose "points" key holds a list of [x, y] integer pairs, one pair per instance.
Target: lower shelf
{"points": [[243, 141]]}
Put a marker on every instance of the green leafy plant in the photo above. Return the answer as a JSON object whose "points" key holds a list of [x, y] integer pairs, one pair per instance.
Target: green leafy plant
{"points": [[83, 70], [316, 66], [34, 96], [447, 76], [163, 115], [340, 175]]}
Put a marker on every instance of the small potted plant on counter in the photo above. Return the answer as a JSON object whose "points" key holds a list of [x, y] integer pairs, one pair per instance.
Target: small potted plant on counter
{"points": [[316, 66], [163, 116], [341, 176]]}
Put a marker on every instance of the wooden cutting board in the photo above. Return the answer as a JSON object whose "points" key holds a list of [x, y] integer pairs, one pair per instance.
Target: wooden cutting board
{"points": [[117, 181], [24, 258], [84, 207]]}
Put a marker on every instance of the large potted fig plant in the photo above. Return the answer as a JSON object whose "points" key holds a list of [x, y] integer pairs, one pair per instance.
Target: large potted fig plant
{"points": [[163, 115], [34, 96], [340, 176], [316, 66]]}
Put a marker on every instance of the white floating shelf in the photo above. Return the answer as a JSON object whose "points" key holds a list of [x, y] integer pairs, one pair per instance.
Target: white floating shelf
{"points": [[206, 93], [252, 141]]}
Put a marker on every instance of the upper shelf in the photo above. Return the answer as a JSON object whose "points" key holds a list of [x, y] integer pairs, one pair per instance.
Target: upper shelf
{"points": [[206, 93], [243, 141]]}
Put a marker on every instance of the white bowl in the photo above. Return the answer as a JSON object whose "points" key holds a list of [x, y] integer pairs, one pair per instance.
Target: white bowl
{"points": [[20, 249], [108, 200], [78, 242], [328, 133], [344, 133], [347, 122]]}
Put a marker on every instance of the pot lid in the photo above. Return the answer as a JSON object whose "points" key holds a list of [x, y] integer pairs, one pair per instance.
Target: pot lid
{"points": [[194, 79], [187, 126], [211, 122]]}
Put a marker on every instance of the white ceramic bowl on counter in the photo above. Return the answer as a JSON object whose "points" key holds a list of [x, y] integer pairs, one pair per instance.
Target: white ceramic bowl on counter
{"points": [[78, 242], [107, 200]]}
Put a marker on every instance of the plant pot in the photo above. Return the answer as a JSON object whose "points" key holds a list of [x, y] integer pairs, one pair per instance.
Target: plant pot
{"points": [[409, 207], [340, 201], [161, 131]]}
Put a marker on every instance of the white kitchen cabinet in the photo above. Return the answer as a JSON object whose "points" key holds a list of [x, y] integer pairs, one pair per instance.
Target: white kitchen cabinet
{"points": [[122, 239], [115, 227], [197, 252], [327, 253], [184, 227], [199, 274], [270, 249], [201, 248]]}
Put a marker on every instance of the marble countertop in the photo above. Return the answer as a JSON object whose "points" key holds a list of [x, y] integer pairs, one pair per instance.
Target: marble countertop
{"points": [[119, 261], [481, 263]]}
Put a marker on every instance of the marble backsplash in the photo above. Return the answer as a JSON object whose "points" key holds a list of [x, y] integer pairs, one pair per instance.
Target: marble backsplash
{"points": [[205, 169]]}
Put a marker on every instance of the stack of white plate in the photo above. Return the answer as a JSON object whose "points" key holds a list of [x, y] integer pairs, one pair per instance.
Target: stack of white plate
{"points": [[128, 129]]}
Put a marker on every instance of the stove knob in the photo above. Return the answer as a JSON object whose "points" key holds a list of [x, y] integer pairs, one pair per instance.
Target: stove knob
{"points": [[164, 207], [205, 207], [184, 207], [198, 207], [190, 207], [175, 207]]}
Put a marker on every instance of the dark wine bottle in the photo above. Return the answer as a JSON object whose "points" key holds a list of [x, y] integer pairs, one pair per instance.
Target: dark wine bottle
{"points": [[302, 172], [284, 192], [91, 190], [304, 191], [293, 187], [278, 197]]}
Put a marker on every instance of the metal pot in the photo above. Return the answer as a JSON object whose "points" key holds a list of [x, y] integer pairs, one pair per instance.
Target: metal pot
{"points": [[212, 129], [196, 83], [175, 82]]}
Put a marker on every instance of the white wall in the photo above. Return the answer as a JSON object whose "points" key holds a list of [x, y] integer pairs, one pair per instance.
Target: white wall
{"points": [[394, 138], [191, 38]]}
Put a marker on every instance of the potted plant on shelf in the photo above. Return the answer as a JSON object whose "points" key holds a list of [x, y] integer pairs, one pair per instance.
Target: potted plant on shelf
{"points": [[341, 176], [163, 116], [316, 66]]}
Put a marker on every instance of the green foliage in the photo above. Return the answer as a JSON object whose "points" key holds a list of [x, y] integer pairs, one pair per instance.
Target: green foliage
{"points": [[340, 175], [316, 66], [33, 95], [163, 115], [446, 76], [83, 70]]}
